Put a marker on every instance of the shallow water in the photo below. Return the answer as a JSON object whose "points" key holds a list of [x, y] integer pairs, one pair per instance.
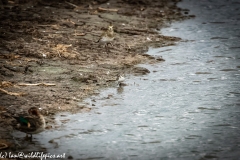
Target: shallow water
{"points": [[188, 107]]}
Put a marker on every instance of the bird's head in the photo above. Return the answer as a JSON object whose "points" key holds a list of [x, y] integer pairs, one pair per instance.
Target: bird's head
{"points": [[34, 111], [110, 28]]}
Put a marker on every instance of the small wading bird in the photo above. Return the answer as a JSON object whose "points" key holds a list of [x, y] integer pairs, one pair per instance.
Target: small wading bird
{"points": [[107, 37], [31, 124], [120, 79]]}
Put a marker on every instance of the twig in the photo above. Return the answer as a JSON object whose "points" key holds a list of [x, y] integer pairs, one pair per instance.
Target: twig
{"points": [[79, 34], [105, 9], [44, 25], [135, 31], [141, 30], [3, 146], [71, 4], [129, 32], [37, 84], [11, 93]]}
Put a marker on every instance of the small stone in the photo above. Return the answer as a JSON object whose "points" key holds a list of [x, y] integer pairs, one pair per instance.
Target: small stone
{"points": [[70, 157]]}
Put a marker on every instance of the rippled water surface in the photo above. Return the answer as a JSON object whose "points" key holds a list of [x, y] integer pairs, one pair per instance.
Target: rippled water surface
{"points": [[188, 107]]}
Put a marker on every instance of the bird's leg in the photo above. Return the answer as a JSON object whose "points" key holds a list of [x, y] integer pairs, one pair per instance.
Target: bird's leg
{"points": [[111, 44], [106, 47], [31, 137], [26, 137]]}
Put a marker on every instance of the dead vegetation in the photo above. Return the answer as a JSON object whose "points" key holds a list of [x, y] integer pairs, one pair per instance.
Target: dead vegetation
{"points": [[49, 57]]}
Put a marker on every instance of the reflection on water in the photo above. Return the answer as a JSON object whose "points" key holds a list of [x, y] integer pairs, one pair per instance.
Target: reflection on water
{"points": [[188, 107]]}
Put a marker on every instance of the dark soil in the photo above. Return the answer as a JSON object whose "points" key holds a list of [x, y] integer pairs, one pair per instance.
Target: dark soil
{"points": [[49, 57]]}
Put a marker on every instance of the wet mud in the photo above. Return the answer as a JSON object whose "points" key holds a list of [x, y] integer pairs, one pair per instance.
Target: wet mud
{"points": [[49, 57]]}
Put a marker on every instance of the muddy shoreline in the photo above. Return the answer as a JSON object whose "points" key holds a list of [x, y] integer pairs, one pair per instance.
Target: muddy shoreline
{"points": [[49, 58]]}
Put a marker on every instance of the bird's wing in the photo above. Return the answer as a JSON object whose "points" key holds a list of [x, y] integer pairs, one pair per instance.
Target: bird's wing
{"points": [[102, 35], [26, 123]]}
